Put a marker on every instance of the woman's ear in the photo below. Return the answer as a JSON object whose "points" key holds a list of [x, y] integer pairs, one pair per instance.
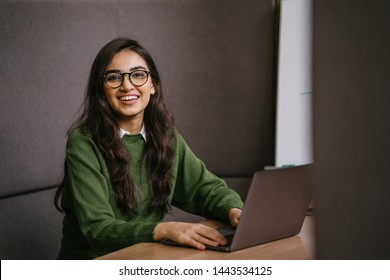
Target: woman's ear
{"points": [[152, 88]]}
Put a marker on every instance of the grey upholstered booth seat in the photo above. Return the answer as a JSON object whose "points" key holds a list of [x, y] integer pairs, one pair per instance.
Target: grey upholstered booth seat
{"points": [[30, 229], [216, 58]]}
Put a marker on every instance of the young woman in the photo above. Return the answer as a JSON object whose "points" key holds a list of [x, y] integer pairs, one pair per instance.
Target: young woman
{"points": [[126, 164]]}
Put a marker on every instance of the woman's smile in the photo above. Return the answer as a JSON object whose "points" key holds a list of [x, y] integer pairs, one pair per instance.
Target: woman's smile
{"points": [[128, 99]]}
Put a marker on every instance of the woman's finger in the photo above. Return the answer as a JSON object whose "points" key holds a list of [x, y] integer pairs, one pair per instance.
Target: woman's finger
{"points": [[210, 236]]}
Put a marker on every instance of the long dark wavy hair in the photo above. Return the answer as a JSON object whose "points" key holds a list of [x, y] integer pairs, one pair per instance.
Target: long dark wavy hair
{"points": [[99, 120]]}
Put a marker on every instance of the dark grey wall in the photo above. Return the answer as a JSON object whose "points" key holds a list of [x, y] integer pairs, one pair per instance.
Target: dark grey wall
{"points": [[351, 128], [216, 58]]}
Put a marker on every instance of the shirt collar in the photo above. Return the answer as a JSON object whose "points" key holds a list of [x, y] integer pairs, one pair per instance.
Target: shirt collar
{"points": [[123, 132]]}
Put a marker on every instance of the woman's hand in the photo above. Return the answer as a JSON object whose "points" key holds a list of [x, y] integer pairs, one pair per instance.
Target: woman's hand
{"points": [[234, 216], [194, 235]]}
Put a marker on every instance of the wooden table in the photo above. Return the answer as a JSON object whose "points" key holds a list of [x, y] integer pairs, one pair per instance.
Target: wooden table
{"points": [[298, 247]]}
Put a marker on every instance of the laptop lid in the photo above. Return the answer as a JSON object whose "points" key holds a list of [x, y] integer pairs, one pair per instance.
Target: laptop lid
{"points": [[275, 206]]}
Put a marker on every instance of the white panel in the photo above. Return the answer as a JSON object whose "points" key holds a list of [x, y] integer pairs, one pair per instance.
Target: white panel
{"points": [[294, 95]]}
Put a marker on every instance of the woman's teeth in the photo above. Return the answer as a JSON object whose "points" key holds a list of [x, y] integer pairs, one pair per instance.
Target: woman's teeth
{"points": [[127, 98]]}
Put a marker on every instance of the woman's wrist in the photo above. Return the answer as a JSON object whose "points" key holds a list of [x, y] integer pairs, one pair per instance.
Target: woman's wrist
{"points": [[160, 232]]}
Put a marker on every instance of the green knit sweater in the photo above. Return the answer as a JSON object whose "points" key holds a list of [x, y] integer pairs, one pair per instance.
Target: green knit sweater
{"points": [[93, 224]]}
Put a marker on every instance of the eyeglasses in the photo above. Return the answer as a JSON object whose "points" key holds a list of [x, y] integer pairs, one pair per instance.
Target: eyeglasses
{"points": [[137, 78]]}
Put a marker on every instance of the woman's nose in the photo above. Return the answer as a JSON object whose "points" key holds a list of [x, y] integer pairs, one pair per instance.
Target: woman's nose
{"points": [[127, 85]]}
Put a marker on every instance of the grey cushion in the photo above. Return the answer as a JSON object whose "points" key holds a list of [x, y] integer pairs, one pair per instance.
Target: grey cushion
{"points": [[30, 227]]}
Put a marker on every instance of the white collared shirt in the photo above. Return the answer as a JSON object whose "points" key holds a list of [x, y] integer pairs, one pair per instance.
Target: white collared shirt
{"points": [[124, 132]]}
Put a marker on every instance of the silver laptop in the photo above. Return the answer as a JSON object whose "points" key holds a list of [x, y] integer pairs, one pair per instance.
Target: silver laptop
{"points": [[275, 208]]}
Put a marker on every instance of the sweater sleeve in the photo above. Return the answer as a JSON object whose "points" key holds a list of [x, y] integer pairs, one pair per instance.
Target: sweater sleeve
{"points": [[199, 191], [92, 200]]}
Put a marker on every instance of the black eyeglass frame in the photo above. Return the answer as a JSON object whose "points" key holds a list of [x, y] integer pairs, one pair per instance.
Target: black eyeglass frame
{"points": [[123, 77]]}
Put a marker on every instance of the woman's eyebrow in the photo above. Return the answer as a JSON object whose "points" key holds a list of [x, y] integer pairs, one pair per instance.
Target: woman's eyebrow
{"points": [[137, 67], [131, 69]]}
